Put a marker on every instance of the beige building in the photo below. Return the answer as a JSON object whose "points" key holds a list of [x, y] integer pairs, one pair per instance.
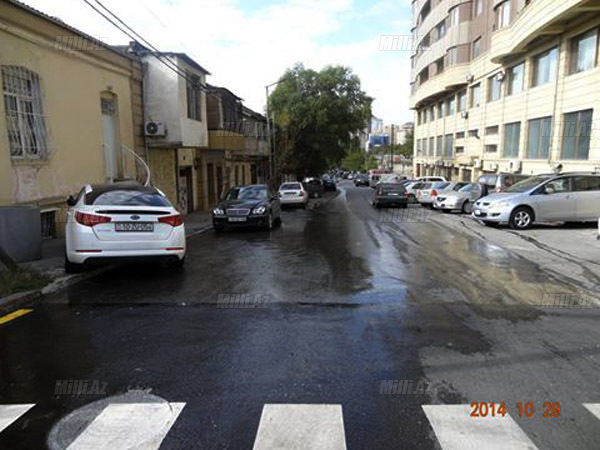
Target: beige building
{"points": [[505, 86], [67, 117]]}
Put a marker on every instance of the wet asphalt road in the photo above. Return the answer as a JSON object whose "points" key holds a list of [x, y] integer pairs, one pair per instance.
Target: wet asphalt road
{"points": [[350, 296]]}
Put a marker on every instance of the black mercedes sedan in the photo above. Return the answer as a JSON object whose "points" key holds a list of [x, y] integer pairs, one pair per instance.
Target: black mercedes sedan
{"points": [[247, 206]]}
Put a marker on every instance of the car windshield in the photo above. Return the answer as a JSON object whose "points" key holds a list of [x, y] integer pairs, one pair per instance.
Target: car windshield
{"points": [[441, 185], [247, 193], [290, 186], [528, 184], [128, 198]]}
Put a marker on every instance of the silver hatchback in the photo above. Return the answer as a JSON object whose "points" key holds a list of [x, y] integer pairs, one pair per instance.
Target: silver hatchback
{"points": [[569, 197]]}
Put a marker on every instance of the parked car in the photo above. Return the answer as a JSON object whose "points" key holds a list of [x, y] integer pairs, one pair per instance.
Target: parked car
{"points": [[411, 190], [293, 194], [462, 199], [431, 179], [328, 183], [427, 192], [499, 182], [568, 197], [392, 178], [390, 194], [122, 221], [313, 186], [361, 180], [252, 205]]}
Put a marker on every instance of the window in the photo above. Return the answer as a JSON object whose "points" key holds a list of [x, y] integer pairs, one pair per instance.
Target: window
{"points": [[476, 48], [454, 16], [423, 114], [448, 146], [452, 56], [451, 106], [459, 149], [194, 98], [439, 146], [462, 101], [515, 79], [26, 124], [576, 134], [490, 131], [539, 137], [512, 134], [583, 51], [440, 110], [424, 75], [494, 88], [502, 13], [586, 183], [431, 146], [441, 29], [474, 133], [475, 95], [491, 148], [439, 66], [460, 135], [544, 67], [431, 113], [477, 7]]}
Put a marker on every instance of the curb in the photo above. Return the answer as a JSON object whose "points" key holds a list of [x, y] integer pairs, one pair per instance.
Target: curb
{"points": [[15, 301]]}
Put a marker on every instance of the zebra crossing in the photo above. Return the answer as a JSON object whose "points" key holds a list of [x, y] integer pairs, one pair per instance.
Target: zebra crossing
{"points": [[286, 426]]}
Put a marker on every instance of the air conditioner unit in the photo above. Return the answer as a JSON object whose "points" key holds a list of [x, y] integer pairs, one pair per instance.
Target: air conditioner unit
{"points": [[500, 76], [477, 163], [470, 78], [155, 129], [464, 115], [514, 165]]}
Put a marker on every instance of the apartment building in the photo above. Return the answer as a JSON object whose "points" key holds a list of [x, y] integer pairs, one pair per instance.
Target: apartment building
{"points": [[505, 86]]}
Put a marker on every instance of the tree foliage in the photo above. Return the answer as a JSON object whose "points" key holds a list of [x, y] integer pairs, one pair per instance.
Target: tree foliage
{"points": [[318, 116]]}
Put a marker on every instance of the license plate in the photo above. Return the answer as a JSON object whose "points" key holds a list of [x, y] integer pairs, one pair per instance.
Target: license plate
{"points": [[237, 219], [145, 227], [394, 194]]}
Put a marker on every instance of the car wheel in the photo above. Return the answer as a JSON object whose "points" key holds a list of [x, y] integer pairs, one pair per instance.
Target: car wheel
{"points": [[467, 207], [412, 198], [178, 263], [71, 267], [521, 218], [269, 225]]}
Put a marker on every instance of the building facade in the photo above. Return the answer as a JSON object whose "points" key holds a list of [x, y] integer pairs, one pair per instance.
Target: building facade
{"points": [[505, 86], [67, 117]]}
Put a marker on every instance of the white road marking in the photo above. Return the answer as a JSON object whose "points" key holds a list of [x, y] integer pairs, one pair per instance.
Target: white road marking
{"points": [[10, 413], [129, 426], [301, 427], [594, 408], [456, 429]]}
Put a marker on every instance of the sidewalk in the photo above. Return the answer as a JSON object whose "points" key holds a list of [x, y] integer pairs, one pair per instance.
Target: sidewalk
{"points": [[197, 222]]}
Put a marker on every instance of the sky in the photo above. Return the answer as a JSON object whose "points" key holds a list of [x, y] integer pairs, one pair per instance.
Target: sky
{"points": [[247, 44]]}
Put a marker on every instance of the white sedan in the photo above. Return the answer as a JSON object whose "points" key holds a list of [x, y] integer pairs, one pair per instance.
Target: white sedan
{"points": [[122, 221], [293, 194]]}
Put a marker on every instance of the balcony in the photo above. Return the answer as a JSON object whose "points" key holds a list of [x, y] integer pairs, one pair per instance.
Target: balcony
{"points": [[438, 86], [539, 18]]}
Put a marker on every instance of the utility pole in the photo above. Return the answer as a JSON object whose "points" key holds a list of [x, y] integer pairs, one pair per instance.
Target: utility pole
{"points": [[392, 149]]}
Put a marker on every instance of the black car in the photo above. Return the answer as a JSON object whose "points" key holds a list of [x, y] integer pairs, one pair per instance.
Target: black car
{"points": [[313, 186], [252, 205], [329, 183], [390, 194], [361, 180]]}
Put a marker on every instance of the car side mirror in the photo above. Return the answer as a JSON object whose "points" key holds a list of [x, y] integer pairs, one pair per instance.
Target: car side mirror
{"points": [[549, 190], [71, 201]]}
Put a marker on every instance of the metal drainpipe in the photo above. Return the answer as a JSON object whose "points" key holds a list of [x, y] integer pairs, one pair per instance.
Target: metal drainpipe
{"points": [[144, 67], [560, 42]]}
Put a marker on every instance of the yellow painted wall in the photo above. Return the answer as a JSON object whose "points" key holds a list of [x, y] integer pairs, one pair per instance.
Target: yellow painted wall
{"points": [[71, 84]]}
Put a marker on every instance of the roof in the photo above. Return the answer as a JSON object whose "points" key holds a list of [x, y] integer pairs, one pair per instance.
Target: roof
{"points": [[188, 60], [252, 113], [221, 90], [60, 23]]}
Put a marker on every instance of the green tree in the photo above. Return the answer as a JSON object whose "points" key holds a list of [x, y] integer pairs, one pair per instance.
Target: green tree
{"points": [[317, 115]]}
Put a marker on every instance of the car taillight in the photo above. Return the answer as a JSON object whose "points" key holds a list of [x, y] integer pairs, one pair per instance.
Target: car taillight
{"points": [[301, 194], [89, 220], [433, 193], [175, 220]]}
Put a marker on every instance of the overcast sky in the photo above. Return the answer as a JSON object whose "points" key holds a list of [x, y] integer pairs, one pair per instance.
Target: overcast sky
{"points": [[247, 44]]}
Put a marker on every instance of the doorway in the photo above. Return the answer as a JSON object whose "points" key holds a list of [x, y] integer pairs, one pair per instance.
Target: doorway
{"points": [[186, 191], [111, 137], [210, 179]]}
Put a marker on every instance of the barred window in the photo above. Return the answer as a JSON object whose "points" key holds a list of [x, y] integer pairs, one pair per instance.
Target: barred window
{"points": [[194, 97], [26, 124]]}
